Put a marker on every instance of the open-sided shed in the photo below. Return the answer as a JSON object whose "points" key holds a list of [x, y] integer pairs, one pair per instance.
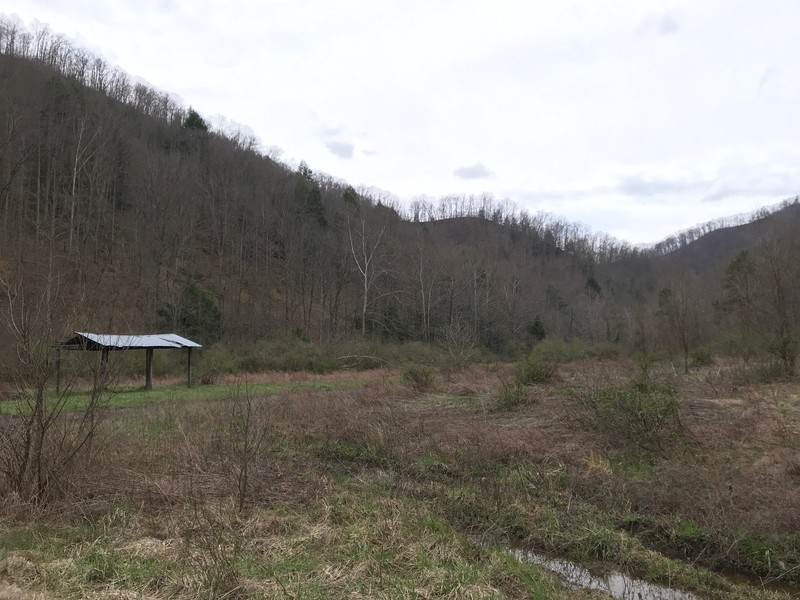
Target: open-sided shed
{"points": [[112, 342]]}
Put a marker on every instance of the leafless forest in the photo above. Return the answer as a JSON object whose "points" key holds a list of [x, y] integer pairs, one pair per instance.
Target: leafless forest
{"points": [[120, 210]]}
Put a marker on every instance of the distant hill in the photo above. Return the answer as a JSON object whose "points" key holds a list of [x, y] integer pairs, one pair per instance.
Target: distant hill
{"points": [[712, 252]]}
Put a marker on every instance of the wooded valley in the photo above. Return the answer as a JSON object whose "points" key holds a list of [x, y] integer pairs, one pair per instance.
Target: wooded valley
{"points": [[122, 211], [432, 398]]}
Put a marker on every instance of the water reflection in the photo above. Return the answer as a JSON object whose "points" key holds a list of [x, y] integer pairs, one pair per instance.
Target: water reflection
{"points": [[615, 584]]}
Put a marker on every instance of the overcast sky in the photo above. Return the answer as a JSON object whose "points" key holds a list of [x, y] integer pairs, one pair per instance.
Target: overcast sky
{"points": [[635, 117]]}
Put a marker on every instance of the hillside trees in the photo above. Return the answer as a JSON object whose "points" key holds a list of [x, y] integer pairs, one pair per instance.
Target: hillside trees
{"points": [[739, 305], [641, 333], [300, 236], [13, 152], [368, 234], [780, 291], [555, 305], [194, 121], [134, 191], [761, 302], [137, 189], [424, 269], [192, 311], [680, 313]]}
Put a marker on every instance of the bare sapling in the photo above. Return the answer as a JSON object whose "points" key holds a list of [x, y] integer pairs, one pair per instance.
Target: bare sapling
{"points": [[41, 439]]}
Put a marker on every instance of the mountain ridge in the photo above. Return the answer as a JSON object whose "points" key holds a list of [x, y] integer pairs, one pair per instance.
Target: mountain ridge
{"points": [[147, 219]]}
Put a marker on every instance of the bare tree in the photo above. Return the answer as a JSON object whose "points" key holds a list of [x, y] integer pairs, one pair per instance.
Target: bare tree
{"points": [[780, 303], [679, 309], [739, 304], [459, 340], [365, 244], [41, 441]]}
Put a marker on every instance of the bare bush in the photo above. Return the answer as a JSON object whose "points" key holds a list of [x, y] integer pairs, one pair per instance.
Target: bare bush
{"points": [[460, 341], [247, 430], [40, 443]]}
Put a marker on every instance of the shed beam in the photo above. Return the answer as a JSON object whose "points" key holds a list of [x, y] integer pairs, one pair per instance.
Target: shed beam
{"points": [[188, 367], [103, 364], [148, 369], [58, 371]]}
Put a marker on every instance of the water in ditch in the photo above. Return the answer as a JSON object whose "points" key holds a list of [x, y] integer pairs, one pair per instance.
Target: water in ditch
{"points": [[615, 584], [619, 585]]}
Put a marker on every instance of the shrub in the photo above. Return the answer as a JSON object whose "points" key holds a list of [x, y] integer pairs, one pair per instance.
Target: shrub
{"points": [[286, 354], [770, 372], [533, 369], [413, 352], [644, 415], [702, 357], [292, 353], [419, 377], [215, 361], [511, 395], [554, 350], [604, 351], [303, 356]]}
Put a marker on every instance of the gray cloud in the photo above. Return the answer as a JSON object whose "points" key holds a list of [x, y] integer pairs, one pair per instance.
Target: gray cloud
{"points": [[341, 149], [641, 186], [767, 79], [663, 24], [668, 24], [331, 130], [774, 188], [722, 193], [476, 171]]}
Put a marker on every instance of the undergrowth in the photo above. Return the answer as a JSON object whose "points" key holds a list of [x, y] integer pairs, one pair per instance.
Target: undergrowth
{"points": [[371, 493]]}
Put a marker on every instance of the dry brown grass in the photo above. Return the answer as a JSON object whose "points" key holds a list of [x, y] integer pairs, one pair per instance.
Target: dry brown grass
{"points": [[371, 375], [738, 468], [741, 461], [12, 592]]}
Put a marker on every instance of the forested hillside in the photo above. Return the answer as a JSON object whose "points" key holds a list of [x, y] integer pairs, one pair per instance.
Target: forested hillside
{"points": [[121, 210]]}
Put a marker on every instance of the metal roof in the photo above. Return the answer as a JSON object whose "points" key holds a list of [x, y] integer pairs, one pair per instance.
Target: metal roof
{"points": [[112, 341]]}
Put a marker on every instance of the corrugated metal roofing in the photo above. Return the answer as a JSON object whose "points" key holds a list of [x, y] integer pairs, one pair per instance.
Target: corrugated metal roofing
{"points": [[120, 342]]}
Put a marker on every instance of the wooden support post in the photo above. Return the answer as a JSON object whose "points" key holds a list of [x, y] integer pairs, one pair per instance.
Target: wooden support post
{"points": [[58, 371], [148, 369], [103, 363], [189, 367]]}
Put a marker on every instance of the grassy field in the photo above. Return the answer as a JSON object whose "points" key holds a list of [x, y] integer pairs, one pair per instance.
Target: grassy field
{"points": [[132, 396], [366, 486]]}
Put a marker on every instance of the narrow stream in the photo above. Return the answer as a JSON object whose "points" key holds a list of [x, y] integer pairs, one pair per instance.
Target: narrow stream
{"points": [[615, 584], [624, 587]]}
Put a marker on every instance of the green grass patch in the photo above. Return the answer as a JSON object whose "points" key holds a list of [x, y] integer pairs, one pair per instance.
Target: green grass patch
{"points": [[133, 397], [433, 463]]}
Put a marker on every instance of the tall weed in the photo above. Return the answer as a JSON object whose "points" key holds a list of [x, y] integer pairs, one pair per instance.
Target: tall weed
{"points": [[419, 377]]}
